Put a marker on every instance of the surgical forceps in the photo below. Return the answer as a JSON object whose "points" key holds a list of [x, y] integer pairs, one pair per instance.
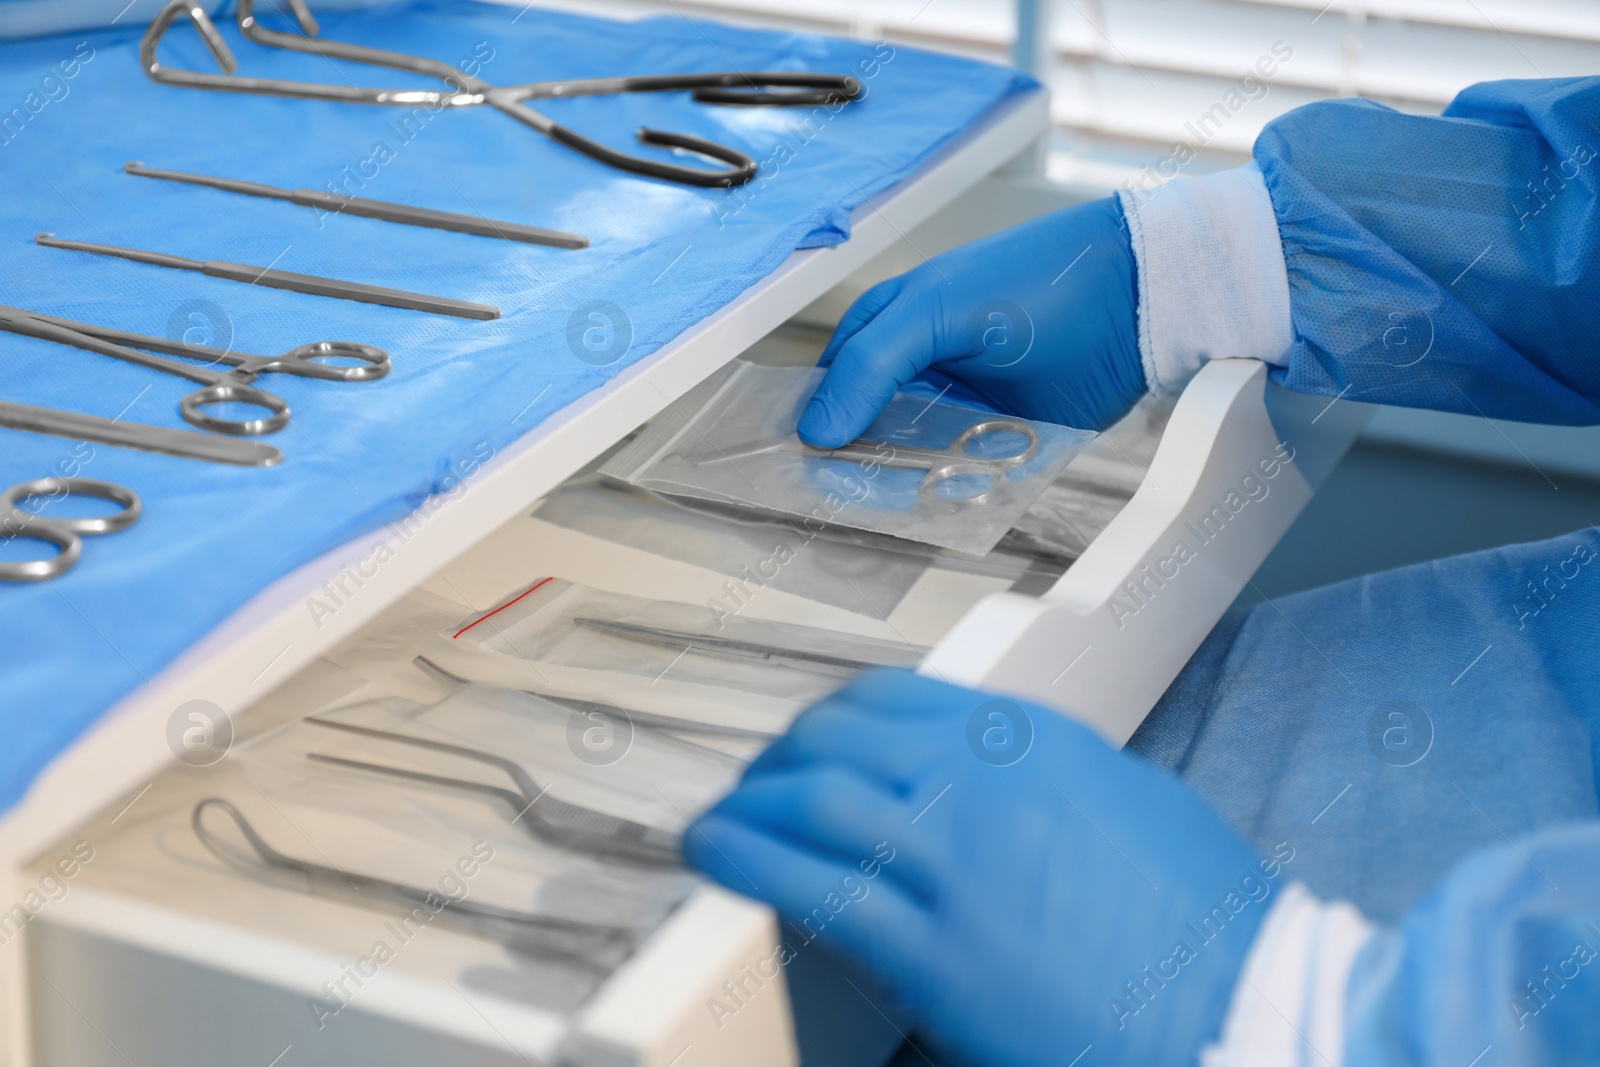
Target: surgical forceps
{"points": [[66, 534], [756, 89], [217, 387], [666, 724], [568, 939], [731, 648], [556, 822], [942, 465]]}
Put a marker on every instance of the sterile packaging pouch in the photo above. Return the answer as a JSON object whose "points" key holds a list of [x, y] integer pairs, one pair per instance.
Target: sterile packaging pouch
{"points": [[1066, 518], [1097, 484], [923, 470], [858, 570], [557, 625], [444, 826], [756, 549]]}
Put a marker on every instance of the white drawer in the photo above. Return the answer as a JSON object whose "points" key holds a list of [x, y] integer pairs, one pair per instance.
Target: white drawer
{"points": [[154, 955]]}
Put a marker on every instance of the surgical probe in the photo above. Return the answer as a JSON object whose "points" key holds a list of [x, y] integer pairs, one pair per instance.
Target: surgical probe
{"points": [[334, 204], [313, 284]]}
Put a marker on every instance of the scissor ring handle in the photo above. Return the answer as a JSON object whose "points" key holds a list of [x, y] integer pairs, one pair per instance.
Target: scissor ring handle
{"points": [[751, 88], [928, 490], [742, 168], [985, 427], [233, 393], [375, 361], [783, 89], [86, 524], [63, 533], [39, 570]]}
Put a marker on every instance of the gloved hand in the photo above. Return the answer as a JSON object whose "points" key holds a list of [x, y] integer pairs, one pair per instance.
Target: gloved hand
{"points": [[1020, 888], [1037, 320]]}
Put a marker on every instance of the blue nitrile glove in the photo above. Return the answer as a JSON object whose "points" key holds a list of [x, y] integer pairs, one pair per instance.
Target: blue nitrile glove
{"points": [[1038, 320], [1021, 890]]}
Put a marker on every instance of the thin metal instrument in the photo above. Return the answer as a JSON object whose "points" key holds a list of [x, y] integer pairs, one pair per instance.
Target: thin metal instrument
{"points": [[218, 387], [669, 724], [743, 88], [313, 284], [1015, 543], [334, 204], [184, 443], [728, 647], [568, 939], [66, 534], [554, 822]]}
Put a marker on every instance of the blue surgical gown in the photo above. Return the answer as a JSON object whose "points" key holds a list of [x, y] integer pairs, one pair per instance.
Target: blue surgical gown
{"points": [[1429, 738]]}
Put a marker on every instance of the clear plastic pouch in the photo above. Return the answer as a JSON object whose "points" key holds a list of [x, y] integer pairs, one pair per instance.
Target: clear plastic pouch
{"points": [[559, 624], [924, 471], [756, 550], [480, 812], [385, 651], [1014, 556], [1065, 519]]}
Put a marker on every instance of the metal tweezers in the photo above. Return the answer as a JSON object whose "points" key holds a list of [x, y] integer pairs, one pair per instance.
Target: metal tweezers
{"points": [[546, 935], [666, 724], [555, 822], [729, 647]]}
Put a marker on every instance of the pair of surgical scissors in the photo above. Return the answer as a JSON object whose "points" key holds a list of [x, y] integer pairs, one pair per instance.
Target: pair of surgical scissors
{"points": [[218, 387], [942, 465], [66, 534], [752, 89]]}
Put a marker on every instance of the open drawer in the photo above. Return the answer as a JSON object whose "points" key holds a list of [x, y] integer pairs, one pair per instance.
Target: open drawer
{"points": [[150, 949]]}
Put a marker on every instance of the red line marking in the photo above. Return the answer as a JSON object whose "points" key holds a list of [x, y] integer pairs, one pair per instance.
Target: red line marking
{"points": [[502, 607]]}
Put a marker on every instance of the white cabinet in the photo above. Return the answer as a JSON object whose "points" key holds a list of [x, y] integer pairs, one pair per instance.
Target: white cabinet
{"points": [[148, 954]]}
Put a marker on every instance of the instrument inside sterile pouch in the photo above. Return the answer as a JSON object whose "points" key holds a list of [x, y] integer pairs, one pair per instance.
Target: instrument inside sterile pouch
{"points": [[558, 625], [858, 570], [412, 650], [924, 470], [570, 859]]}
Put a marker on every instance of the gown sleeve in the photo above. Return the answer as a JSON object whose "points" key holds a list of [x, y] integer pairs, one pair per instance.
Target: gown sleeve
{"points": [[1448, 262]]}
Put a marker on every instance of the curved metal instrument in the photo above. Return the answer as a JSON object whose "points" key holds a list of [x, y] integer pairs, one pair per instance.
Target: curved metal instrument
{"points": [[749, 89], [579, 942], [555, 822]]}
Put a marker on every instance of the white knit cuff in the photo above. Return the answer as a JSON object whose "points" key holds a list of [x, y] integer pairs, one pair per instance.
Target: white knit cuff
{"points": [[1212, 280], [1288, 1009]]}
